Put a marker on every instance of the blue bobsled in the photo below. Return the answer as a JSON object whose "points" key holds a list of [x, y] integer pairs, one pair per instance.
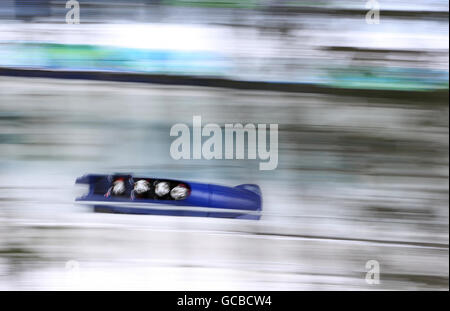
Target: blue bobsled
{"points": [[156, 196]]}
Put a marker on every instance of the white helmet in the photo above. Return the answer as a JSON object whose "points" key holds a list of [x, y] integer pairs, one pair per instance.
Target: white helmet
{"points": [[162, 188], [179, 192], [141, 186], [118, 187]]}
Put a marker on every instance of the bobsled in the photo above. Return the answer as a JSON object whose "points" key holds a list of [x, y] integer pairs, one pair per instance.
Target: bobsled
{"points": [[159, 196]]}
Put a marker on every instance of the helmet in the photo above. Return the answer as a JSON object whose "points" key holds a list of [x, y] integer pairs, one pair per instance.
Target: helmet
{"points": [[180, 192], [141, 186], [118, 187], [162, 188]]}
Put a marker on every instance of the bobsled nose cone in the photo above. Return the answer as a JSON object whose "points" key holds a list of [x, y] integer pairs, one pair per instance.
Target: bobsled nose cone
{"points": [[250, 187], [82, 180]]}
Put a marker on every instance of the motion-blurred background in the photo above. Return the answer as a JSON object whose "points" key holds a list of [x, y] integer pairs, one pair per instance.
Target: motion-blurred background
{"points": [[363, 142]]}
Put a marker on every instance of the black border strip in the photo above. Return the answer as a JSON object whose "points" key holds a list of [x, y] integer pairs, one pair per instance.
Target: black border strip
{"points": [[280, 300]]}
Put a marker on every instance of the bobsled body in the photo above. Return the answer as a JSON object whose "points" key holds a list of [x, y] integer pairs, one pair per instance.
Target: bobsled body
{"points": [[204, 200]]}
